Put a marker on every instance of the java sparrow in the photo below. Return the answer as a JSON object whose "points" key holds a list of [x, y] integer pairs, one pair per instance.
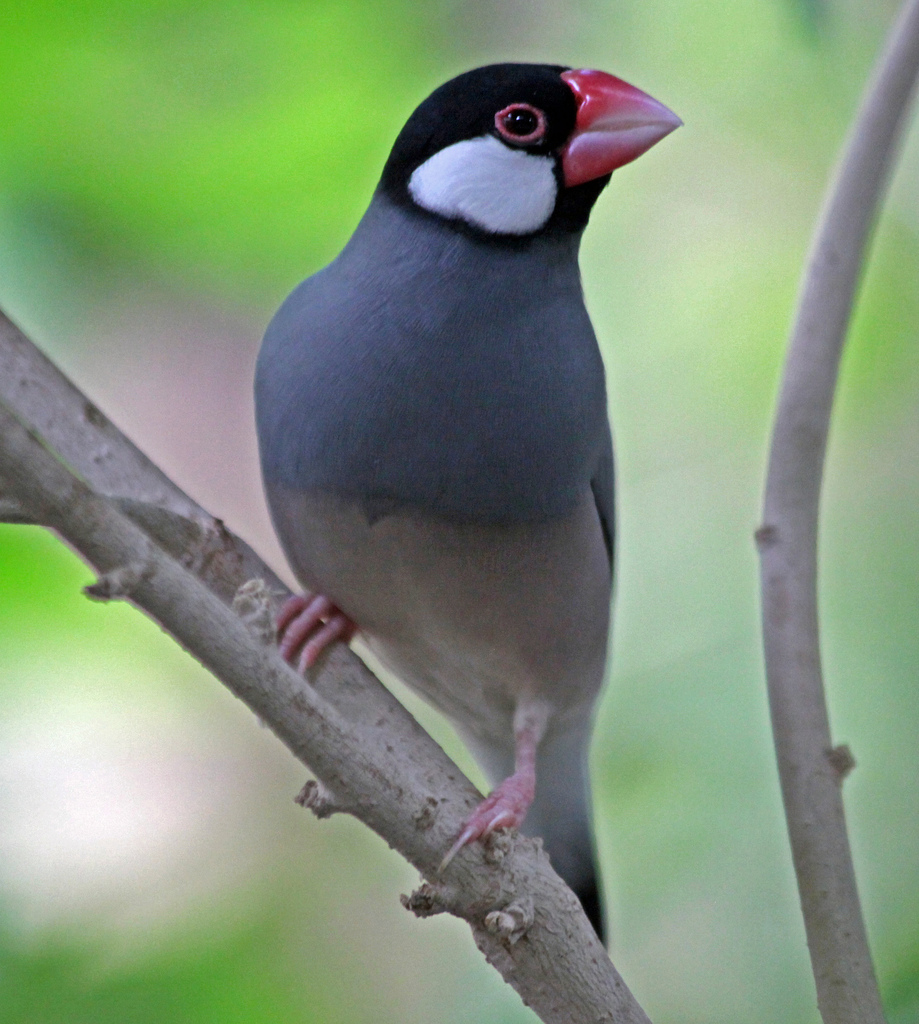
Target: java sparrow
{"points": [[431, 412]]}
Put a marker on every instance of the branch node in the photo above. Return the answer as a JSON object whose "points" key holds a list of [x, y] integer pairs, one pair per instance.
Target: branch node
{"points": [[253, 603], [842, 761], [317, 798], [766, 536], [425, 901], [511, 923], [427, 815], [93, 415], [120, 582], [214, 547], [498, 845]]}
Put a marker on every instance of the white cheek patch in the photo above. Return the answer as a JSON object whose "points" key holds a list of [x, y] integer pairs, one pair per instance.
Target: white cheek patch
{"points": [[490, 186]]}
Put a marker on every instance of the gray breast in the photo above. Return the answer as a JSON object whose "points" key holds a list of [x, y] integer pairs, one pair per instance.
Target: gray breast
{"points": [[428, 369]]}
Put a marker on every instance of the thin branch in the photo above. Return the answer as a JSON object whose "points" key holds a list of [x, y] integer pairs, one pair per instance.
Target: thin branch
{"points": [[87, 441], [78, 430], [847, 991], [370, 756]]}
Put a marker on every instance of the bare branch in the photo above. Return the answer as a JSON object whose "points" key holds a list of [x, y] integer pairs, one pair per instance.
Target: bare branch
{"points": [[87, 441], [370, 756], [808, 764], [73, 426]]}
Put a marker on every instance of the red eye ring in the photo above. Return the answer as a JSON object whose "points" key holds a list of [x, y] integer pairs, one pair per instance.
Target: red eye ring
{"points": [[522, 112]]}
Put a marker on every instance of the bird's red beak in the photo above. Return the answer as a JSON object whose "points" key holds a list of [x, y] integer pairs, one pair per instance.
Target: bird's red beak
{"points": [[616, 123]]}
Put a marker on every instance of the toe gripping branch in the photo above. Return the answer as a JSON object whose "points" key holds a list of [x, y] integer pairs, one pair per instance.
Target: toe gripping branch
{"points": [[307, 624], [509, 802]]}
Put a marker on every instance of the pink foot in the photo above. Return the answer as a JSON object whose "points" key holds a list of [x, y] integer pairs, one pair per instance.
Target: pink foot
{"points": [[508, 804], [307, 624], [505, 808]]}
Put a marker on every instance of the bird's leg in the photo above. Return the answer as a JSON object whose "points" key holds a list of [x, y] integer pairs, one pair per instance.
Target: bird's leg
{"points": [[509, 802], [307, 624]]}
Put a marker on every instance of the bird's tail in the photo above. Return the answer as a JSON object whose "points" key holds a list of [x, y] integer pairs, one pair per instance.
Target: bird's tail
{"points": [[561, 811], [561, 815]]}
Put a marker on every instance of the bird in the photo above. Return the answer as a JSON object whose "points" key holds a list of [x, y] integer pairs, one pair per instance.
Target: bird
{"points": [[434, 440]]}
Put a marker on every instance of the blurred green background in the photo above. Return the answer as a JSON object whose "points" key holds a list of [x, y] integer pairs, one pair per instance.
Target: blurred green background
{"points": [[168, 171]]}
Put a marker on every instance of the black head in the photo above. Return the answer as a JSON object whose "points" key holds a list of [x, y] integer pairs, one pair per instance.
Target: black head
{"points": [[491, 150], [465, 108]]}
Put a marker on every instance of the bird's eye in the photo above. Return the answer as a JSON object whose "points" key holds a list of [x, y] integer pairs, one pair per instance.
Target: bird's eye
{"points": [[521, 124]]}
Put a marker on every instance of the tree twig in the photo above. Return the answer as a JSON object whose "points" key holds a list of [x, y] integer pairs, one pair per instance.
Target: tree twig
{"points": [[847, 990], [372, 759], [86, 440]]}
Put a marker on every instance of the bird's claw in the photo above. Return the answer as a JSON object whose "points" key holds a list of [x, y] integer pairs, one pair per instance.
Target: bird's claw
{"points": [[506, 807], [307, 624]]}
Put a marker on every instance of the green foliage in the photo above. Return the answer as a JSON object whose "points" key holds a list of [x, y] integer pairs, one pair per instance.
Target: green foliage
{"points": [[232, 983], [212, 146]]}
